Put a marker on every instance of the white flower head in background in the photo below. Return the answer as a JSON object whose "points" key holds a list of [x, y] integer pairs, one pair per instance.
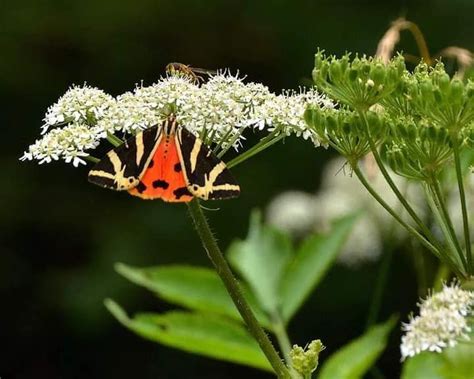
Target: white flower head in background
{"points": [[218, 111], [339, 195], [293, 211], [444, 320]]}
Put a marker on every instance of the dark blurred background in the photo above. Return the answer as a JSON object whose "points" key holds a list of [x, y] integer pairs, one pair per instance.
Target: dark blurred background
{"points": [[60, 236]]}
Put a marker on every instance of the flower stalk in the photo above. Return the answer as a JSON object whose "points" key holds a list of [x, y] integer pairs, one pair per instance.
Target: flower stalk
{"points": [[232, 286], [462, 195]]}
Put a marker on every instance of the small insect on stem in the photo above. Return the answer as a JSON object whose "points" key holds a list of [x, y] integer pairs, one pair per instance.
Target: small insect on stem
{"points": [[181, 69]]}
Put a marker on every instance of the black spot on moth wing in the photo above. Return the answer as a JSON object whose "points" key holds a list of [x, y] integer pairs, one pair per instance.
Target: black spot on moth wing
{"points": [[181, 191], [160, 184], [124, 165], [198, 166]]}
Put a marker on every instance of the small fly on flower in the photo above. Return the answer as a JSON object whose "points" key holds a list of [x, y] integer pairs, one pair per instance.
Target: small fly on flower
{"points": [[175, 68]]}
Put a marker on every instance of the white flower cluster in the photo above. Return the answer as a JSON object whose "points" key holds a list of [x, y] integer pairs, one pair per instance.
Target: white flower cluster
{"points": [[218, 111], [285, 111], [79, 104], [341, 194], [443, 321], [69, 143]]}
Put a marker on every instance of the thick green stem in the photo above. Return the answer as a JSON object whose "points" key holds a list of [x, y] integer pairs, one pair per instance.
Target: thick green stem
{"points": [[232, 286], [465, 220], [394, 214]]}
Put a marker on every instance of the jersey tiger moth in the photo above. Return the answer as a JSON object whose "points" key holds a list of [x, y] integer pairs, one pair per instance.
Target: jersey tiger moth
{"points": [[165, 162]]}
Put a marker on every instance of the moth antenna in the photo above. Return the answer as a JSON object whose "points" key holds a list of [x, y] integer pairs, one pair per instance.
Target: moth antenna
{"points": [[209, 209]]}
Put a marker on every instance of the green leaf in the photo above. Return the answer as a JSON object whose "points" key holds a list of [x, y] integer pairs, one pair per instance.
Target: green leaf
{"points": [[356, 358], [310, 264], [196, 288], [423, 365], [459, 361], [261, 260], [204, 334], [452, 363]]}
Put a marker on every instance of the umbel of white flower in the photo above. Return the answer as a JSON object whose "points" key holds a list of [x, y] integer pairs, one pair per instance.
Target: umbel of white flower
{"points": [[218, 111], [443, 321]]}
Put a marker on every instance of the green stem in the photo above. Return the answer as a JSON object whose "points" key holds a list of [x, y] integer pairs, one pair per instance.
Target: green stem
{"points": [[442, 276], [232, 286], [465, 220], [380, 284], [92, 159], [394, 214], [393, 186], [114, 140], [420, 270], [278, 327], [436, 210], [446, 220], [262, 145]]}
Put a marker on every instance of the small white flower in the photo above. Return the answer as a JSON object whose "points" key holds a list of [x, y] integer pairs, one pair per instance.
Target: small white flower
{"points": [[85, 105], [443, 321], [286, 111]]}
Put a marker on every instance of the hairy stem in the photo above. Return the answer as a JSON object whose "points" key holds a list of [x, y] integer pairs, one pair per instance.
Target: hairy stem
{"points": [[232, 286], [284, 342]]}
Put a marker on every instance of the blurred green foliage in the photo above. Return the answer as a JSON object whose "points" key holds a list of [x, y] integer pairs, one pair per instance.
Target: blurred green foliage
{"points": [[60, 236]]}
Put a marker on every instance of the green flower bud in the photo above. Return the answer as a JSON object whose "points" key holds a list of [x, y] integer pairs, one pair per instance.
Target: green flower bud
{"points": [[335, 71], [443, 80], [378, 73], [426, 89], [331, 122], [305, 361], [438, 96], [353, 74], [456, 91]]}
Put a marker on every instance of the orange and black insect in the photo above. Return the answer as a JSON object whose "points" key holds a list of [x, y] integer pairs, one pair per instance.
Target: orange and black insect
{"points": [[165, 162], [175, 68]]}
